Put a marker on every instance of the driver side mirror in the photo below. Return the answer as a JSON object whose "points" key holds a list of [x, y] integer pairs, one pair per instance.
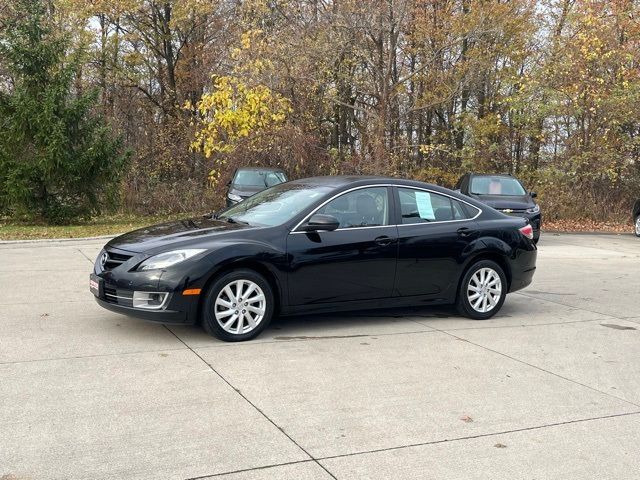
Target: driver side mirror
{"points": [[533, 194], [320, 223]]}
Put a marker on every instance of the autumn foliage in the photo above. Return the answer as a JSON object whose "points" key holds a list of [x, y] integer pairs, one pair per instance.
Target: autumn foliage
{"points": [[546, 89]]}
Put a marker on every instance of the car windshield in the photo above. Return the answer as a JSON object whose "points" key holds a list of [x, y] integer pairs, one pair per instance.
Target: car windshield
{"points": [[496, 185], [258, 178], [275, 205]]}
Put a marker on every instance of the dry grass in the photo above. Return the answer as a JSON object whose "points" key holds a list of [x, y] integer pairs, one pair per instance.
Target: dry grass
{"points": [[107, 225]]}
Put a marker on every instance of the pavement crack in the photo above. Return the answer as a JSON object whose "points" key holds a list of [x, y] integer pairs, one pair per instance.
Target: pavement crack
{"points": [[79, 357], [258, 409], [460, 329], [261, 467], [524, 294], [539, 368], [481, 435], [83, 254]]}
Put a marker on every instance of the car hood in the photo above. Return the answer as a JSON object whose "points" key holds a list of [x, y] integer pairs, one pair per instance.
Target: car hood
{"points": [[187, 232], [244, 190], [500, 202]]}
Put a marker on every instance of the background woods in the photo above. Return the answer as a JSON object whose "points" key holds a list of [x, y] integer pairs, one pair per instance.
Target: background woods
{"points": [[546, 89]]}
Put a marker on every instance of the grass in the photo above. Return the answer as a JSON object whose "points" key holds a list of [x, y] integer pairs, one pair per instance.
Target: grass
{"points": [[116, 224], [106, 225]]}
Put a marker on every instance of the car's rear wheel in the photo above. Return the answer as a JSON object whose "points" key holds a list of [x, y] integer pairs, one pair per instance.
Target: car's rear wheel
{"points": [[482, 291], [238, 306], [637, 225]]}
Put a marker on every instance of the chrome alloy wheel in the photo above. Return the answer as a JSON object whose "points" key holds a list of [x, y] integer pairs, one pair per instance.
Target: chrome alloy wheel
{"points": [[240, 307], [638, 225], [484, 290]]}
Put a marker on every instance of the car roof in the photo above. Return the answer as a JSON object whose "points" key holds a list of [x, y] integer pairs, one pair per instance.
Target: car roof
{"points": [[260, 169], [507, 175], [338, 181]]}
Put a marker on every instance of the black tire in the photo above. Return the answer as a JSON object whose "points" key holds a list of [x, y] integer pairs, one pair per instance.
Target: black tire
{"points": [[463, 304], [636, 222], [536, 238], [209, 321]]}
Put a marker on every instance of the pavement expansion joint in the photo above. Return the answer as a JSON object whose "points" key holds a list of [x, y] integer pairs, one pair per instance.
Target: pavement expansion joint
{"points": [[540, 368], [258, 409]]}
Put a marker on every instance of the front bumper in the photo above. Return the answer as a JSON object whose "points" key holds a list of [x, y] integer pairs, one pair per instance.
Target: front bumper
{"points": [[160, 316], [116, 287]]}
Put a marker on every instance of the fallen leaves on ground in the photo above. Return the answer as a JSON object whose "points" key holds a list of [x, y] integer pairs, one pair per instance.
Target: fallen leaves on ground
{"points": [[585, 226]]}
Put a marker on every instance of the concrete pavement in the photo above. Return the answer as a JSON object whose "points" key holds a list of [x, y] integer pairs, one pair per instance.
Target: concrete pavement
{"points": [[547, 389]]}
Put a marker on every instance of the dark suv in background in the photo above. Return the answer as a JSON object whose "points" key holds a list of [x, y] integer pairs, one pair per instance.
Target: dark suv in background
{"points": [[504, 193], [636, 218], [248, 181]]}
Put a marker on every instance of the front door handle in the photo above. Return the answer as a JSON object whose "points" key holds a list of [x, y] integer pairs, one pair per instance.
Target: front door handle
{"points": [[383, 241], [464, 231]]}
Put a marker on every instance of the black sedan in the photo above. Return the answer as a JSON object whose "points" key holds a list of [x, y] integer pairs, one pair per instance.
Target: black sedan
{"points": [[504, 193], [318, 245]]}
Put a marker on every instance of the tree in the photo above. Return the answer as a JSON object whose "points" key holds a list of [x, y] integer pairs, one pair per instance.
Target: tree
{"points": [[58, 160]]}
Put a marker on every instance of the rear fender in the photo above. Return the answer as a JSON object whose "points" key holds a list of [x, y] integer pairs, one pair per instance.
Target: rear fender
{"points": [[490, 248]]}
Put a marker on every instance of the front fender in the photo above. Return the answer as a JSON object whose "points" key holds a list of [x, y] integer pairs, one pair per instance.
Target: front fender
{"points": [[263, 256]]}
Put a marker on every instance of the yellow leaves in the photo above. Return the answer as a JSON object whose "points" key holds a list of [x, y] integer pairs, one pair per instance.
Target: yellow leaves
{"points": [[234, 111]]}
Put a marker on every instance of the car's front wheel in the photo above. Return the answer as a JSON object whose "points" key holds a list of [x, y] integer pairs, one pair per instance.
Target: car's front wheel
{"points": [[637, 225], [482, 291], [238, 306]]}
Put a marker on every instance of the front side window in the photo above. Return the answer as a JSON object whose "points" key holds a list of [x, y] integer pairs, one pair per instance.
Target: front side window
{"points": [[496, 185], [418, 206], [366, 207]]}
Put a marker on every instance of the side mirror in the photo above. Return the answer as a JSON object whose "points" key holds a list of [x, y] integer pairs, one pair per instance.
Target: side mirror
{"points": [[229, 183], [320, 223], [533, 194]]}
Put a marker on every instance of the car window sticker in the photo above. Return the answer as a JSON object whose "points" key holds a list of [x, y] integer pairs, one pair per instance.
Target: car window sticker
{"points": [[425, 209]]}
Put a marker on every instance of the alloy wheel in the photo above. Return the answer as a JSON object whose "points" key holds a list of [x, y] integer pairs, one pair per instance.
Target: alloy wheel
{"points": [[484, 290], [240, 307], [638, 225]]}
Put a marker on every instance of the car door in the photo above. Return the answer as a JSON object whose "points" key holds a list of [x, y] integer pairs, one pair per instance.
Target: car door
{"points": [[357, 261], [433, 232]]}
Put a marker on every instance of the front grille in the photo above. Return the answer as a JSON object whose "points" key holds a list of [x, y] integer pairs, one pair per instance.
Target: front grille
{"points": [[117, 296], [508, 211], [114, 260]]}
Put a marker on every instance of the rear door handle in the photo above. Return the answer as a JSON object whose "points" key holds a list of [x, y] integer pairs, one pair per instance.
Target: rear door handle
{"points": [[464, 231], [384, 240]]}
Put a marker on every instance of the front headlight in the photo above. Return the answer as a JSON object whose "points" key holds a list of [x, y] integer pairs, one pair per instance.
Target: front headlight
{"points": [[535, 209], [164, 260], [234, 197]]}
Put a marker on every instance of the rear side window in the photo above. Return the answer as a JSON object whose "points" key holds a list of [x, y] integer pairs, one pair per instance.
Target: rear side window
{"points": [[418, 206]]}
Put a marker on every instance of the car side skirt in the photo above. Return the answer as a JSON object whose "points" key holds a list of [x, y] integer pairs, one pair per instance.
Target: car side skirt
{"points": [[379, 303]]}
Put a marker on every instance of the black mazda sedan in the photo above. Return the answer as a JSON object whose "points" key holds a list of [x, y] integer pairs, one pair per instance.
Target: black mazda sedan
{"points": [[317, 245]]}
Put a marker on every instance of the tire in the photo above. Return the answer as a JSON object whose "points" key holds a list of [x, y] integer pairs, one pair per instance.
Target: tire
{"points": [[536, 238], [223, 315], [489, 270], [636, 225]]}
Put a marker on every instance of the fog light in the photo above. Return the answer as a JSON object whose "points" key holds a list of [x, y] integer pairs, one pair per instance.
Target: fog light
{"points": [[149, 300]]}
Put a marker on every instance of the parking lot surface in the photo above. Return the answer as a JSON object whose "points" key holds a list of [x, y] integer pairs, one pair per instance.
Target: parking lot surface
{"points": [[549, 388]]}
